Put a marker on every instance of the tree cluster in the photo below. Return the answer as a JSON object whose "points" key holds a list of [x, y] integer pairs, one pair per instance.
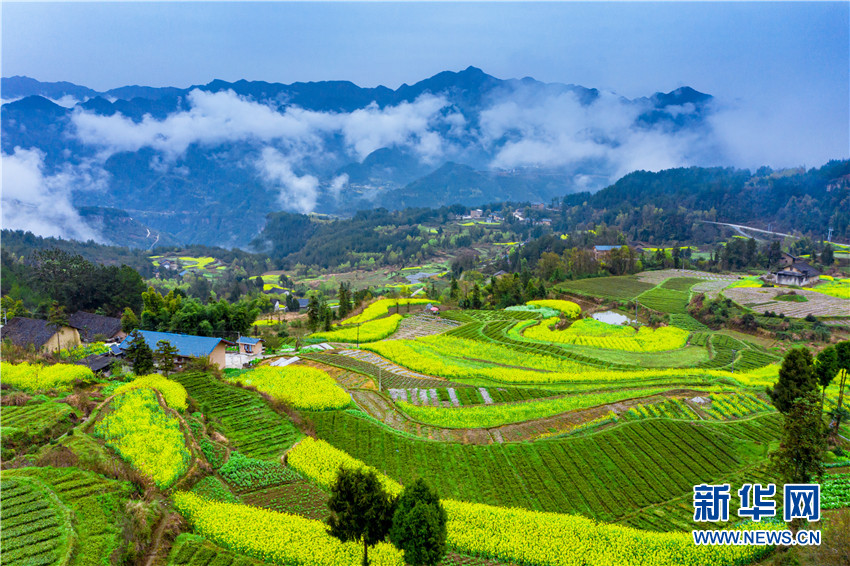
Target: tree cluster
{"points": [[49, 275], [361, 510], [176, 313]]}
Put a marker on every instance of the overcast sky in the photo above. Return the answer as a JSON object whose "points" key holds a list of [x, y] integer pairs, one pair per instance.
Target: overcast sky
{"points": [[634, 49]]}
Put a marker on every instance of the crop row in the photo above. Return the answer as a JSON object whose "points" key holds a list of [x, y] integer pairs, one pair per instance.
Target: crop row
{"points": [[193, 550], [242, 416], [682, 284], [300, 497], [34, 422], [735, 405], [487, 316], [669, 408], [835, 491], [687, 322]]}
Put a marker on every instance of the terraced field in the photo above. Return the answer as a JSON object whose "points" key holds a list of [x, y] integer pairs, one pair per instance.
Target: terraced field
{"points": [[623, 288], [763, 299], [605, 476], [36, 525], [91, 505], [422, 325], [242, 416], [35, 422]]}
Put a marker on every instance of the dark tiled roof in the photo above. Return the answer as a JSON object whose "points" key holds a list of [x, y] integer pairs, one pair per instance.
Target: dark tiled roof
{"points": [[187, 346], [804, 268], [96, 363], [90, 324], [25, 331]]}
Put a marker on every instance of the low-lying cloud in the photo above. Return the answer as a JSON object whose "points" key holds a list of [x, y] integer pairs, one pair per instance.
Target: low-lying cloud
{"points": [[295, 192], [41, 203], [216, 118], [528, 126]]}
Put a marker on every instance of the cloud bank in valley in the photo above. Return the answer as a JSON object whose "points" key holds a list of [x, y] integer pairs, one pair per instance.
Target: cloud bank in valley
{"points": [[41, 203], [295, 151]]}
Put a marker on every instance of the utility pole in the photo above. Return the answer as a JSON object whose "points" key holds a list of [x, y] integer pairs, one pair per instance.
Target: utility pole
{"points": [[829, 236]]}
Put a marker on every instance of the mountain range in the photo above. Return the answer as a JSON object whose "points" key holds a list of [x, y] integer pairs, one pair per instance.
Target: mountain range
{"points": [[207, 163]]}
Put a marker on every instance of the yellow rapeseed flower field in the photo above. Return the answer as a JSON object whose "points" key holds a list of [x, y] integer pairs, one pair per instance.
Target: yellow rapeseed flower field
{"points": [[302, 387], [274, 537]]}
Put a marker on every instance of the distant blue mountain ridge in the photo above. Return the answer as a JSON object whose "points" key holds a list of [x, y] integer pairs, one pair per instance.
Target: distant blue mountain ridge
{"points": [[484, 140]]}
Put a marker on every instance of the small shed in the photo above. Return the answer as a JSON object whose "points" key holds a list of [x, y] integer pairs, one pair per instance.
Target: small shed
{"points": [[250, 346]]}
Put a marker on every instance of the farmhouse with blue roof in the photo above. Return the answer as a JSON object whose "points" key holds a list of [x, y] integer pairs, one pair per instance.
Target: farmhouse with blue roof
{"points": [[250, 346], [187, 346]]}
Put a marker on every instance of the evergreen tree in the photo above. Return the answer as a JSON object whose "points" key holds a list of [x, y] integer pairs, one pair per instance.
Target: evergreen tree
{"points": [[799, 458], [139, 354], [827, 256], [313, 312], [453, 288], [419, 525], [475, 302], [796, 379], [360, 509], [344, 295], [129, 321], [164, 356], [826, 368]]}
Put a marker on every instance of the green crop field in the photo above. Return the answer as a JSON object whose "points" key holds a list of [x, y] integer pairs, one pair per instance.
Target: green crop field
{"points": [[244, 418], [624, 288], [604, 476], [84, 505]]}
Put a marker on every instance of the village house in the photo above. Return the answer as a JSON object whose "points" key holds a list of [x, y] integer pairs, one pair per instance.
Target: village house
{"points": [[250, 346], [798, 273], [600, 252], [188, 346], [39, 334], [94, 327], [787, 259]]}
